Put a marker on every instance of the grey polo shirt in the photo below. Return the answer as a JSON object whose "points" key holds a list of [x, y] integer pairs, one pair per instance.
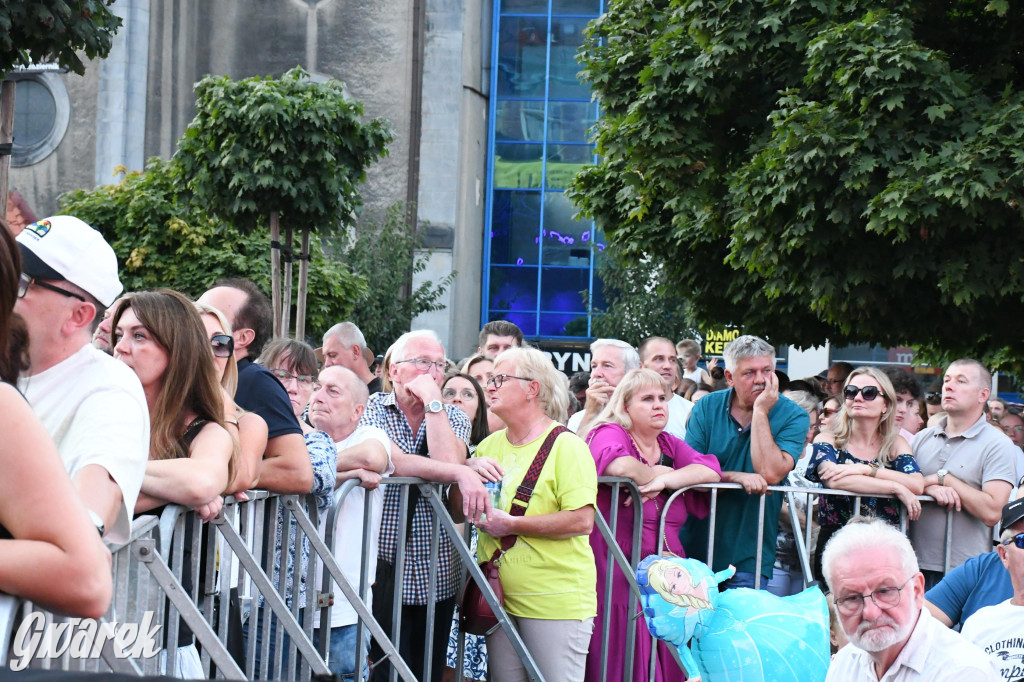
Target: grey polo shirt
{"points": [[977, 456]]}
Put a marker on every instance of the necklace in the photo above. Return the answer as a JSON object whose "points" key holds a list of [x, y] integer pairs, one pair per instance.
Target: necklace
{"points": [[656, 452], [526, 438]]}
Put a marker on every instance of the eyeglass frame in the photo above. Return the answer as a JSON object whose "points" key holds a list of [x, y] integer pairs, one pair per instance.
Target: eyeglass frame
{"points": [[863, 599], [498, 380], [1017, 539], [430, 364], [310, 379], [850, 392], [229, 344], [25, 281], [466, 393]]}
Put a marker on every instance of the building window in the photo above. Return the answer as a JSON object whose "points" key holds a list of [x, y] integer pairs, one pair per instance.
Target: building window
{"points": [[41, 112], [539, 260]]}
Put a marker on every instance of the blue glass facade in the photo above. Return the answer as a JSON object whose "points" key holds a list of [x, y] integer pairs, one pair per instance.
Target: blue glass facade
{"points": [[538, 260]]}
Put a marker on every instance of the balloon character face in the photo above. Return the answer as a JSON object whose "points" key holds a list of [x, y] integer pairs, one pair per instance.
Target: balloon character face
{"points": [[737, 635]]}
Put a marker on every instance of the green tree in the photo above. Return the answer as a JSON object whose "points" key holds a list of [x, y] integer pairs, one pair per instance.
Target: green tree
{"points": [[54, 30], [824, 169], [263, 150], [640, 301], [384, 255], [164, 238]]}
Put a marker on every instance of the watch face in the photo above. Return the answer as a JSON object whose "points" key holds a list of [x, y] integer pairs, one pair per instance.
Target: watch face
{"points": [[435, 406]]}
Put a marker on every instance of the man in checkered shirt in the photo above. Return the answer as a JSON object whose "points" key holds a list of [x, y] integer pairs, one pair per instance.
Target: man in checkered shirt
{"points": [[429, 440]]}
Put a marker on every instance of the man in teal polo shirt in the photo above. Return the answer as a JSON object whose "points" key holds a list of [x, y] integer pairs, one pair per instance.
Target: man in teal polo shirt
{"points": [[757, 436]]}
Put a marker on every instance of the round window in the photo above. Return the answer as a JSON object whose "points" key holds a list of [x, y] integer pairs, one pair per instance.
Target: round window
{"points": [[41, 111]]}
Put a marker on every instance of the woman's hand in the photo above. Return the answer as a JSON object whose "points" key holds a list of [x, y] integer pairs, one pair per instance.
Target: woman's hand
{"points": [[497, 523], [650, 490], [830, 471], [909, 501], [487, 468], [210, 510]]}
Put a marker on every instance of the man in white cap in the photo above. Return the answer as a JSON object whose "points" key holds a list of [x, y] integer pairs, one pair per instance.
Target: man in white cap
{"points": [[92, 405]]}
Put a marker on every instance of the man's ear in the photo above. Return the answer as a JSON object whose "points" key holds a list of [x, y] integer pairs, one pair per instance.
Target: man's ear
{"points": [[243, 337], [357, 413], [81, 317], [728, 376]]}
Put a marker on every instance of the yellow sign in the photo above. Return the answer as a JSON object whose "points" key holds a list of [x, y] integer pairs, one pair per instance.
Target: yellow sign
{"points": [[715, 340]]}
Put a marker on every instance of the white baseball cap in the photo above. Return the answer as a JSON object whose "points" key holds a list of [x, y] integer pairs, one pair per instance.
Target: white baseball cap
{"points": [[63, 247]]}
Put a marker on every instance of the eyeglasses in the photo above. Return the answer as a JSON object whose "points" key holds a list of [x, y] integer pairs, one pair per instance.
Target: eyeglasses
{"points": [[1013, 429], [303, 379], [869, 393], [828, 412], [24, 282], [933, 398], [884, 597], [498, 379], [465, 394], [424, 365], [223, 345], [1017, 539]]}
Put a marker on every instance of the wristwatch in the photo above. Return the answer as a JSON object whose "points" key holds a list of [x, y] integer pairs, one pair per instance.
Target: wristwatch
{"points": [[434, 406], [941, 473], [97, 521], [875, 466]]}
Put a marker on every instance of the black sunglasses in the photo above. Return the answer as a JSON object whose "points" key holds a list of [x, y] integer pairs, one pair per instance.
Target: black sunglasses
{"points": [[1017, 539], [933, 397], [868, 392], [223, 345]]}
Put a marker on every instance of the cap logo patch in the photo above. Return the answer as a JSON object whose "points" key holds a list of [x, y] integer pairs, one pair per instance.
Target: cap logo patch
{"points": [[40, 228]]}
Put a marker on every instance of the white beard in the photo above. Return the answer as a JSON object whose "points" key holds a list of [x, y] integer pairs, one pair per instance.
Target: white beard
{"points": [[870, 637]]}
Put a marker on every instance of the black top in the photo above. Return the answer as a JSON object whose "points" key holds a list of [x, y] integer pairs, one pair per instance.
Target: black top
{"points": [[375, 386], [259, 391]]}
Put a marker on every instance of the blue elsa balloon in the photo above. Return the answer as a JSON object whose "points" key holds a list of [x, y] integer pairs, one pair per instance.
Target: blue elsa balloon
{"points": [[739, 635]]}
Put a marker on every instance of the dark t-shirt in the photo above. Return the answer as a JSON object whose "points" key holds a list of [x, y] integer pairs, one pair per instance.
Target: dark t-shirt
{"points": [[259, 391], [375, 386]]}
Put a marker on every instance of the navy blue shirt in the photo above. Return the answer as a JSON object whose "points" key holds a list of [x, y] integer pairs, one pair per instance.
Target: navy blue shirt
{"points": [[259, 391]]}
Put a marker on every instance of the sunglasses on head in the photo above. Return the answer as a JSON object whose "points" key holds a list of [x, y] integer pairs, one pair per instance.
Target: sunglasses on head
{"points": [[933, 397], [867, 392], [223, 345], [1017, 539]]}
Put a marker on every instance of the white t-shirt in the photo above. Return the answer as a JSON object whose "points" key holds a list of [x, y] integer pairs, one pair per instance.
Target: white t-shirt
{"points": [[678, 413], [348, 530], [999, 632], [694, 376], [95, 411], [574, 422]]}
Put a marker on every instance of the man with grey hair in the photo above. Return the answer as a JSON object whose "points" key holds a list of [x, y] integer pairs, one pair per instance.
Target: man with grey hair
{"points": [[610, 359], [757, 436], [969, 467], [344, 345], [429, 440], [878, 591]]}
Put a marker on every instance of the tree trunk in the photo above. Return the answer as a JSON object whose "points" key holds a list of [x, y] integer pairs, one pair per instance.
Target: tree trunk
{"points": [[6, 135], [300, 310], [286, 307], [275, 269]]}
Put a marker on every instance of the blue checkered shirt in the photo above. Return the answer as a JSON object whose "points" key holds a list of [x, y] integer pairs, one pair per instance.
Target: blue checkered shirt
{"points": [[383, 411]]}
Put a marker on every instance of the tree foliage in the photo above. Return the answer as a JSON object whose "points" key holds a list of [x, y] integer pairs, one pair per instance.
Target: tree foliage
{"points": [[384, 254], [831, 169], [54, 30], [640, 302], [291, 145], [163, 237]]}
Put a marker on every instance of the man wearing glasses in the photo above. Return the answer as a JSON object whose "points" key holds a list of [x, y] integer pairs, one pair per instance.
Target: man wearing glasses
{"points": [[999, 629], [92, 405], [430, 440], [878, 591]]}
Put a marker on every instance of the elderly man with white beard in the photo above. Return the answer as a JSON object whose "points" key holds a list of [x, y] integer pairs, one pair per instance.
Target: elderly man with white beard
{"points": [[878, 590]]}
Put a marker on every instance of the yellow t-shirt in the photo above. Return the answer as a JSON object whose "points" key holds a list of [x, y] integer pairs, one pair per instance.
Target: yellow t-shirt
{"points": [[546, 578]]}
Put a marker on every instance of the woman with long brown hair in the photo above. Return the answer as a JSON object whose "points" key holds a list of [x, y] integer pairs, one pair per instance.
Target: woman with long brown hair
{"points": [[49, 549]]}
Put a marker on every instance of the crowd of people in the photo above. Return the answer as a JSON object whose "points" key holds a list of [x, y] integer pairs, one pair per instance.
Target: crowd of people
{"points": [[132, 401]]}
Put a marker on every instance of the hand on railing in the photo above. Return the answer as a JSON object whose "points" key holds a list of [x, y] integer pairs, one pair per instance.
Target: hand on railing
{"points": [[945, 496], [909, 501], [487, 468], [208, 512], [368, 479], [754, 484]]}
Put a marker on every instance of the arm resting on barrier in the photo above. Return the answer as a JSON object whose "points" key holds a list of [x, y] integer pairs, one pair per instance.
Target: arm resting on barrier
{"points": [[99, 492], [56, 557], [985, 504], [561, 524], [475, 500], [194, 480], [286, 467], [251, 432], [673, 479], [369, 455]]}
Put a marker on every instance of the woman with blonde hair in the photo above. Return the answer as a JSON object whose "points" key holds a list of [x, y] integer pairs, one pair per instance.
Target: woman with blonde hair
{"points": [[863, 452], [547, 571], [629, 440]]}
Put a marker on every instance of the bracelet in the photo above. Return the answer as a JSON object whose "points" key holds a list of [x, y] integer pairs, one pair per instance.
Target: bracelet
{"points": [[875, 466]]}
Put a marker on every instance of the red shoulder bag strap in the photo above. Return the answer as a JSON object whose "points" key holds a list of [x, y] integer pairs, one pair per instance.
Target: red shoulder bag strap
{"points": [[525, 490]]}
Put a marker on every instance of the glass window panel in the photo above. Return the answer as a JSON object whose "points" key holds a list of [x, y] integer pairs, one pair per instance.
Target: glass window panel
{"points": [[597, 293], [35, 112], [516, 119], [524, 6], [513, 287], [566, 241], [563, 324], [564, 161], [518, 165], [566, 37], [525, 321], [570, 121], [562, 289], [585, 7], [515, 226], [522, 56]]}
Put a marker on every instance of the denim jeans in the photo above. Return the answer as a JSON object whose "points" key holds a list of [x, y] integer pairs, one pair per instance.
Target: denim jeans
{"points": [[343, 655], [742, 579]]}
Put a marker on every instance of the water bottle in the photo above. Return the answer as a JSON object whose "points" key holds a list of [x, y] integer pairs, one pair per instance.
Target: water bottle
{"points": [[494, 490]]}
